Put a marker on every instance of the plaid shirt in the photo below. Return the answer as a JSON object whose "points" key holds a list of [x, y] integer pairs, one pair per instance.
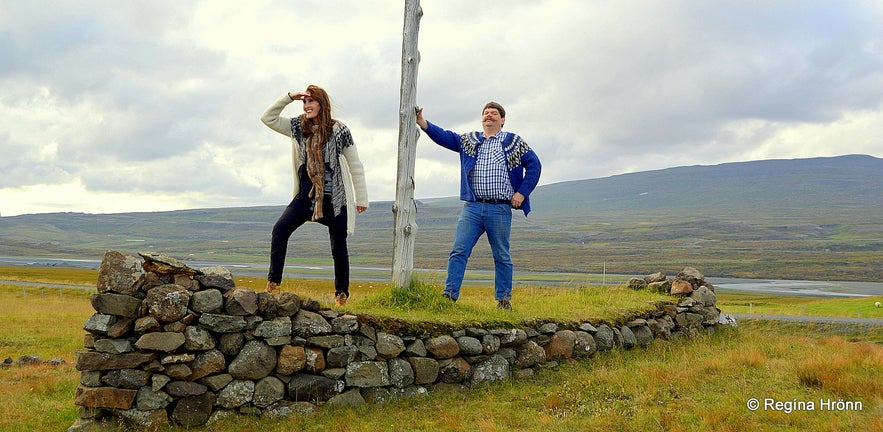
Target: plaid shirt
{"points": [[490, 178]]}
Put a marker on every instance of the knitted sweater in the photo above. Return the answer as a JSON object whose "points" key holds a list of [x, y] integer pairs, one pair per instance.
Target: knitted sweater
{"points": [[351, 173], [522, 163]]}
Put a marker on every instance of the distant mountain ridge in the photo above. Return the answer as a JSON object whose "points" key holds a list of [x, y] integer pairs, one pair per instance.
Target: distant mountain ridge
{"points": [[769, 218], [787, 187]]}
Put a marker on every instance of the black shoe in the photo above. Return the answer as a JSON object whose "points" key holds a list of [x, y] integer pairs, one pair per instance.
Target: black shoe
{"points": [[447, 296], [505, 305]]}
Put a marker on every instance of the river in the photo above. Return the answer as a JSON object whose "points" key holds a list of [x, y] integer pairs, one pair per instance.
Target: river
{"points": [[380, 274]]}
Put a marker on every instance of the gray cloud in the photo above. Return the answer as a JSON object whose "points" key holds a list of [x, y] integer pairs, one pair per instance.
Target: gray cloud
{"points": [[164, 97]]}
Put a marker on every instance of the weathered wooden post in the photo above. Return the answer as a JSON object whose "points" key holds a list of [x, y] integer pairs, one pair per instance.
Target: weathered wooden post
{"points": [[405, 208]]}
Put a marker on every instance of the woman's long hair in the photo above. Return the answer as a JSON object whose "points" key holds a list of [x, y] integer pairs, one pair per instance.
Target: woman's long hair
{"points": [[324, 121]]}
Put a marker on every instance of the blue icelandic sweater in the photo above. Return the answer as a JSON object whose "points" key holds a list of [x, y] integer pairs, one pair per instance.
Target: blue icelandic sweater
{"points": [[522, 163]]}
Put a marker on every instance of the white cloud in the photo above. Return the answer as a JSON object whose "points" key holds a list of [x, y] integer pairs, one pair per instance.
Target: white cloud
{"points": [[160, 101]]}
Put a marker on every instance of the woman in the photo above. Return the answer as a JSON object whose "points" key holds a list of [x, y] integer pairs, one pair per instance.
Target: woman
{"points": [[329, 182]]}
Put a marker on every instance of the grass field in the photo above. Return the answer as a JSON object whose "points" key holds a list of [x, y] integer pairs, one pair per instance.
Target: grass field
{"points": [[700, 384]]}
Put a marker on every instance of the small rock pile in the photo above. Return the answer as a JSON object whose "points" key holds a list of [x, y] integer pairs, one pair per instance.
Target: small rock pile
{"points": [[173, 344], [696, 307]]}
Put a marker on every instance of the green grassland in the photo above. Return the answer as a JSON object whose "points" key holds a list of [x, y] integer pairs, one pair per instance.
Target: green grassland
{"points": [[690, 385]]}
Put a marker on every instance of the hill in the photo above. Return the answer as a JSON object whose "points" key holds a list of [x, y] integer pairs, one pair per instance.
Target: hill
{"points": [[813, 218]]}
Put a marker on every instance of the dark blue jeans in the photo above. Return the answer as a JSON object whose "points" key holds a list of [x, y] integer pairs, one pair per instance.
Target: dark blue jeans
{"points": [[296, 214], [476, 219]]}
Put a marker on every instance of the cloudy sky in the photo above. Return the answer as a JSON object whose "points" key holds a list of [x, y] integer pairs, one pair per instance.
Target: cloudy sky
{"points": [[109, 106]]}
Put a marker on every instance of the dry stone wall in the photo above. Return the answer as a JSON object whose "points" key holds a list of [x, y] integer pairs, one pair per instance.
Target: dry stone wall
{"points": [[173, 344]]}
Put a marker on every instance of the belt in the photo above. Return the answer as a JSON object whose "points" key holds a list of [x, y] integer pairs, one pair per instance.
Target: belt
{"points": [[493, 201]]}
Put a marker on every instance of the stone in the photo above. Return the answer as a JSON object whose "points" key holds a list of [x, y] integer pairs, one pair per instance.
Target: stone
{"points": [[146, 324], [548, 328], [681, 287], [286, 408], [604, 338], [727, 320], [388, 345], [306, 324], [131, 379], [158, 381], [309, 388], [168, 303], [120, 328], [490, 344], [513, 337], [120, 273], [255, 361], [691, 275], [241, 302], [114, 346], [442, 347], [216, 382], [207, 301], [198, 339], [186, 281], [663, 287], [285, 304], [453, 370], [583, 345], [105, 397], [588, 328], [339, 357], [327, 341], [367, 374], [222, 323], [147, 419], [704, 296], [495, 368], [274, 328], [643, 335], [160, 341], [92, 361], [560, 346], [268, 391], [315, 359], [165, 265], [90, 378], [350, 398], [99, 323], [185, 388], [469, 346], [401, 374], [291, 359], [149, 399], [178, 371], [334, 373], [116, 304], [345, 324], [418, 349], [216, 277], [529, 354], [689, 320], [655, 277], [193, 411], [425, 369], [236, 394], [207, 363], [636, 284], [628, 337], [659, 328]]}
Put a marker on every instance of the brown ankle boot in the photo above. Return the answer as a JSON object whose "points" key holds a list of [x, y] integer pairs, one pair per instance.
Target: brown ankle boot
{"points": [[340, 300], [272, 287]]}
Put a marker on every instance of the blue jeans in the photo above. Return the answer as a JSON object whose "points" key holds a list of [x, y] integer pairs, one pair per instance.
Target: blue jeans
{"points": [[476, 219]]}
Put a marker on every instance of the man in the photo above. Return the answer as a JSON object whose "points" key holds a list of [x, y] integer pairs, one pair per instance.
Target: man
{"points": [[498, 171]]}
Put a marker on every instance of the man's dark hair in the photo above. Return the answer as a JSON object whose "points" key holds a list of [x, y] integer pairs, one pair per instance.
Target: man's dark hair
{"points": [[497, 107]]}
